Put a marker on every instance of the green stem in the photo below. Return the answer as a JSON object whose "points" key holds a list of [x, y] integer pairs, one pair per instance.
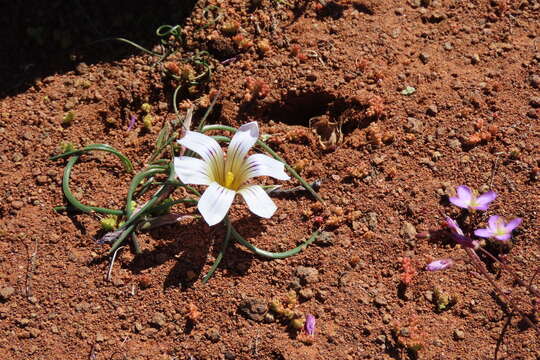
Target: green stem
{"points": [[136, 245], [137, 179], [175, 106], [98, 147], [221, 253], [158, 209], [71, 198], [160, 195], [273, 255], [121, 239], [208, 111], [271, 152], [137, 46]]}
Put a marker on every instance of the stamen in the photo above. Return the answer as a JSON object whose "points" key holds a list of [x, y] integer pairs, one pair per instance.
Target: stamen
{"points": [[229, 178]]}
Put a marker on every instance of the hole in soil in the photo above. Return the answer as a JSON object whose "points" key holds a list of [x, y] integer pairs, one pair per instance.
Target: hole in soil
{"points": [[297, 109]]}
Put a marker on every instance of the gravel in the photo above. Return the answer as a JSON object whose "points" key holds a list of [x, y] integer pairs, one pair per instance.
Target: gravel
{"points": [[307, 275]]}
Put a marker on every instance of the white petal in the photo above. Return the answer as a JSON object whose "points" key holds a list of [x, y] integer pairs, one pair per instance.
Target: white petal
{"points": [[191, 170], [258, 201], [202, 144], [215, 202], [208, 149], [263, 165], [242, 141]]}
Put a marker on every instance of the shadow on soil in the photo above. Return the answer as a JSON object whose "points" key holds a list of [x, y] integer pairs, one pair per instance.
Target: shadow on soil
{"points": [[48, 37], [190, 245], [300, 108]]}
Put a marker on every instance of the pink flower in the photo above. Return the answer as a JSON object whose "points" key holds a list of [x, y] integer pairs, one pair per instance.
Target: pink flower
{"points": [[441, 264], [309, 326], [459, 236], [466, 199], [498, 229]]}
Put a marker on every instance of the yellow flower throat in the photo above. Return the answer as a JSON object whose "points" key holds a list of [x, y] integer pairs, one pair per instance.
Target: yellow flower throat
{"points": [[229, 178]]}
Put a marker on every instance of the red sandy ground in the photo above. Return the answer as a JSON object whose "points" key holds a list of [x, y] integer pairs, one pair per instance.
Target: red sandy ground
{"points": [[472, 120]]}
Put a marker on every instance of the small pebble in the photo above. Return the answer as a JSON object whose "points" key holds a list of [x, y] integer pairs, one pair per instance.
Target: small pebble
{"points": [[475, 59], [432, 110], [534, 101], [306, 293], [326, 238], [535, 81], [158, 320], [408, 230], [213, 335], [17, 157], [42, 179], [380, 301], [6, 292], [17, 204], [454, 144], [307, 275], [459, 334], [533, 114]]}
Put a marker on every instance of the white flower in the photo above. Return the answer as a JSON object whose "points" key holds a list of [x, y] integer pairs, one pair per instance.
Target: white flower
{"points": [[227, 175]]}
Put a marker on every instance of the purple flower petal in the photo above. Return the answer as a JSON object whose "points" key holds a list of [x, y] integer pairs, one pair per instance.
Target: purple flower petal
{"points": [[465, 193], [480, 207], [466, 241], [166, 219], [484, 199], [454, 227], [132, 121], [512, 224], [309, 326], [483, 233], [110, 236], [503, 237], [441, 264], [459, 202], [493, 222]]}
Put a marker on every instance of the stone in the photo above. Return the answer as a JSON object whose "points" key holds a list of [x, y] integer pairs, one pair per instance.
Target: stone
{"points": [[326, 238], [533, 114], [306, 294], [81, 68], [424, 57], [380, 301], [535, 80], [408, 230], [475, 59], [387, 318], [534, 101], [42, 179], [459, 334], [454, 144], [432, 110], [213, 335], [308, 275], [253, 308], [414, 125], [138, 327], [405, 332], [158, 320], [6, 292], [17, 204]]}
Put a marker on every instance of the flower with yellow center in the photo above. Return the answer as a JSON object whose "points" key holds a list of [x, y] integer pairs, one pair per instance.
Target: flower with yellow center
{"points": [[226, 175]]}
